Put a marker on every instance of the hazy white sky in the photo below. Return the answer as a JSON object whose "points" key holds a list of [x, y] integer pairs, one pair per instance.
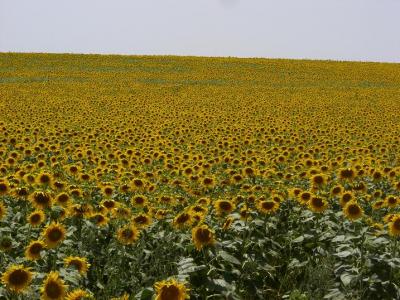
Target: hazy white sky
{"points": [[325, 29]]}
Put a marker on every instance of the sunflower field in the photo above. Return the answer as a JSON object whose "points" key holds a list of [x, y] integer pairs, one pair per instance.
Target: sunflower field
{"points": [[169, 178]]}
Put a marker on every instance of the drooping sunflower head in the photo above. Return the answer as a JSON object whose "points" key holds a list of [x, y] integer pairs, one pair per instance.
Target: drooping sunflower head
{"points": [[202, 236], [53, 287], [394, 226], [79, 263], [352, 210], [182, 220], [17, 278], [227, 223], [128, 234], [53, 235], [3, 210], [34, 249], [171, 290]]}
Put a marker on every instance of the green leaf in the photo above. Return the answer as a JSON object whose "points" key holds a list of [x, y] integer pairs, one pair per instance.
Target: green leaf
{"points": [[344, 254], [298, 240], [229, 258], [346, 278]]}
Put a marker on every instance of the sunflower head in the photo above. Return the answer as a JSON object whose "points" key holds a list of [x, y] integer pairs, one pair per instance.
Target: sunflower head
{"points": [[171, 290], [53, 287], [53, 235], [352, 210], [202, 236], [77, 294], [17, 278], [34, 249], [79, 263], [182, 220], [394, 226], [224, 206], [128, 234], [267, 206], [41, 200], [36, 218], [3, 210], [317, 204]]}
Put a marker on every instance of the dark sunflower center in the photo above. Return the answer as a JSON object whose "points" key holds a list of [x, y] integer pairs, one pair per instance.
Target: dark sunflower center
{"points": [[141, 219], [268, 205], [317, 202], [182, 218], [42, 198], [36, 248], [55, 235], [353, 210], [203, 235], [127, 233], [35, 218], [170, 293], [396, 224], [53, 290], [225, 205], [18, 277]]}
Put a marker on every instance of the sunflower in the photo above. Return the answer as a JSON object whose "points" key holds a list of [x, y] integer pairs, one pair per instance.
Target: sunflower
{"points": [[347, 174], [53, 287], [139, 200], [394, 226], [336, 190], [208, 182], [244, 213], [107, 190], [99, 219], [304, 197], [36, 218], [77, 294], [80, 263], [62, 199], [267, 206], [128, 234], [170, 290], [6, 243], [17, 278], [317, 204], [44, 179], [345, 198], [109, 204], [182, 220], [352, 210], [142, 220], [318, 180], [202, 236], [33, 250], [4, 188], [391, 201], [224, 206], [227, 224], [40, 200], [3, 210], [53, 235]]}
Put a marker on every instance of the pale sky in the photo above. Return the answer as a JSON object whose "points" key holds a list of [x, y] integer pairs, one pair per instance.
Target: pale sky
{"points": [[363, 30]]}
